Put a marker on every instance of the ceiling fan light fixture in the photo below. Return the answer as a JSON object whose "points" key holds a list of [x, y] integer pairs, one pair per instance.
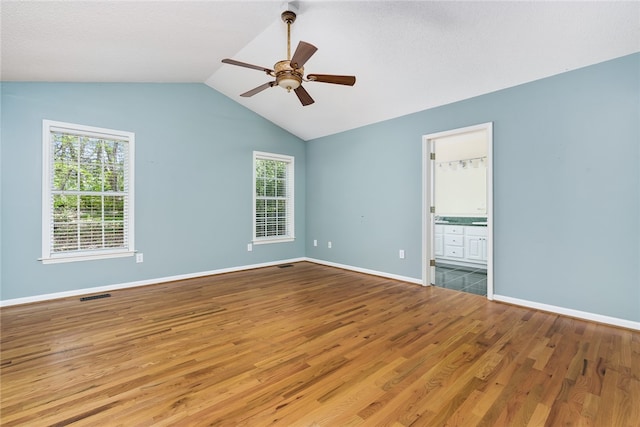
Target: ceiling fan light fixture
{"points": [[287, 77], [289, 83]]}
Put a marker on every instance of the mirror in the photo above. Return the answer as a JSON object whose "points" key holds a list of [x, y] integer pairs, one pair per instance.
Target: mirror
{"points": [[461, 175]]}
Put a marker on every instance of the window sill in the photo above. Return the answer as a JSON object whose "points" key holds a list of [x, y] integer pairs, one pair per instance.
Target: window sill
{"points": [[85, 257], [277, 240]]}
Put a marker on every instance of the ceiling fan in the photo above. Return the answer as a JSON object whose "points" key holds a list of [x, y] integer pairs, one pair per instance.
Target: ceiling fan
{"points": [[289, 73]]}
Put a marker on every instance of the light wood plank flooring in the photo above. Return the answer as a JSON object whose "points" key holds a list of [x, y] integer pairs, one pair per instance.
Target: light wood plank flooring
{"points": [[310, 345]]}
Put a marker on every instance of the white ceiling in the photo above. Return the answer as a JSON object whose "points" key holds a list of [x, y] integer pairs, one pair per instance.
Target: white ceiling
{"points": [[407, 56]]}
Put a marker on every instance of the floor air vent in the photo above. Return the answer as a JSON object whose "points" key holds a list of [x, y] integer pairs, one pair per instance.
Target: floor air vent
{"points": [[95, 297], [285, 266]]}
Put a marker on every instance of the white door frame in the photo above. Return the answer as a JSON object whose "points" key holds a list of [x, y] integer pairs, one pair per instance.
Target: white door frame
{"points": [[428, 218]]}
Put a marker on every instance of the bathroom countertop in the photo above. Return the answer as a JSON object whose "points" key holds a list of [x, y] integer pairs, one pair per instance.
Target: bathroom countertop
{"points": [[476, 221]]}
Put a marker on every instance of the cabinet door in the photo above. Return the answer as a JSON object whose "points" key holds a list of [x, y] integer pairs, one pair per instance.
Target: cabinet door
{"points": [[439, 244], [475, 248]]}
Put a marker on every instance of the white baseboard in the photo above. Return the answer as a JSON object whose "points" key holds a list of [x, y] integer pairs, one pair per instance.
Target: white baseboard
{"points": [[629, 324], [367, 271], [614, 321], [107, 288]]}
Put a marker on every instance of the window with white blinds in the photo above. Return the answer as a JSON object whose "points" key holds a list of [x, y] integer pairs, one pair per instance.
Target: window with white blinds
{"points": [[273, 191], [87, 192]]}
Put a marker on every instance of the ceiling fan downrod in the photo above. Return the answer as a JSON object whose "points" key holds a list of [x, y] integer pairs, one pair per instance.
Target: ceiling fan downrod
{"points": [[288, 77], [289, 18]]}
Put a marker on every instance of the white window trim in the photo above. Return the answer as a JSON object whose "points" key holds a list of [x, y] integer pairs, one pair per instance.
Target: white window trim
{"points": [[261, 155], [47, 256]]}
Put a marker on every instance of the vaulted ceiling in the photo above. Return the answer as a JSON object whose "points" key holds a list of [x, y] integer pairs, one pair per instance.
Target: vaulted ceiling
{"points": [[407, 55]]}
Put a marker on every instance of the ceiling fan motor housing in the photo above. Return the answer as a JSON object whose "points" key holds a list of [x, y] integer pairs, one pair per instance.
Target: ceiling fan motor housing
{"points": [[288, 77]]}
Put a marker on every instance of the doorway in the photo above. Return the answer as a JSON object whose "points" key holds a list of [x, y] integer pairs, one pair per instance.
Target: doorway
{"points": [[458, 209]]}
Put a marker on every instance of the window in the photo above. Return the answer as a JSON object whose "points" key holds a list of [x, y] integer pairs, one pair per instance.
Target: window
{"points": [[87, 197], [273, 198]]}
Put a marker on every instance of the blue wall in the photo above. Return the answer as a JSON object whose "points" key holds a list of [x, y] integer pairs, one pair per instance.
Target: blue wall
{"points": [[566, 186], [566, 189], [193, 186]]}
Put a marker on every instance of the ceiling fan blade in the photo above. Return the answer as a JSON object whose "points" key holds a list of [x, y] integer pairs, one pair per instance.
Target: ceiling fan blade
{"points": [[303, 96], [303, 52], [244, 64], [330, 78], [258, 89]]}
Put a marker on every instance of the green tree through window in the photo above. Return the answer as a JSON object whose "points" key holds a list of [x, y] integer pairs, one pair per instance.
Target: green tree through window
{"points": [[89, 192], [273, 197]]}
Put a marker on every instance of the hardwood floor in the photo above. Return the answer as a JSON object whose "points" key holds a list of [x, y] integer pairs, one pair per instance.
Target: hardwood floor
{"points": [[310, 345]]}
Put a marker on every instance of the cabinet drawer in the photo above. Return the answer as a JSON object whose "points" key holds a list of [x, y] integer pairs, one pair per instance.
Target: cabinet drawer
{"points": [[453, 240], [454, 251], [453, 229]]}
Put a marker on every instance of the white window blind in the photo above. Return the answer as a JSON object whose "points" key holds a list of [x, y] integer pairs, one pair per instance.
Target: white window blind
{"points": [[87, 192], [273, 191]]}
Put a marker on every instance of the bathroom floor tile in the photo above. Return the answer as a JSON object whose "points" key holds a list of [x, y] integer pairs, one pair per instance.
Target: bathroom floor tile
{"points": [[462, 279]]}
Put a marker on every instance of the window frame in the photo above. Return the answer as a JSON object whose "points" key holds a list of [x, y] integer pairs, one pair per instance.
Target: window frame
{"points": [[289, 200], [50, 257]]}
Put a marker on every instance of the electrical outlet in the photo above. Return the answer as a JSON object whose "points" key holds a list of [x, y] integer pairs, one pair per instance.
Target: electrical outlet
{"points": [[315, 242], [401, 254], [249, 247], [329, 245], [139, 257]]}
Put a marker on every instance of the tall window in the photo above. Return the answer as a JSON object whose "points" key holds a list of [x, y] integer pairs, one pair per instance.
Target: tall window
{"points": [[87, 192], [273, 198]]}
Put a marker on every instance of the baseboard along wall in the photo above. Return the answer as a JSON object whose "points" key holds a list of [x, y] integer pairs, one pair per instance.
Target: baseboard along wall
{"points": [[583, 315]]}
